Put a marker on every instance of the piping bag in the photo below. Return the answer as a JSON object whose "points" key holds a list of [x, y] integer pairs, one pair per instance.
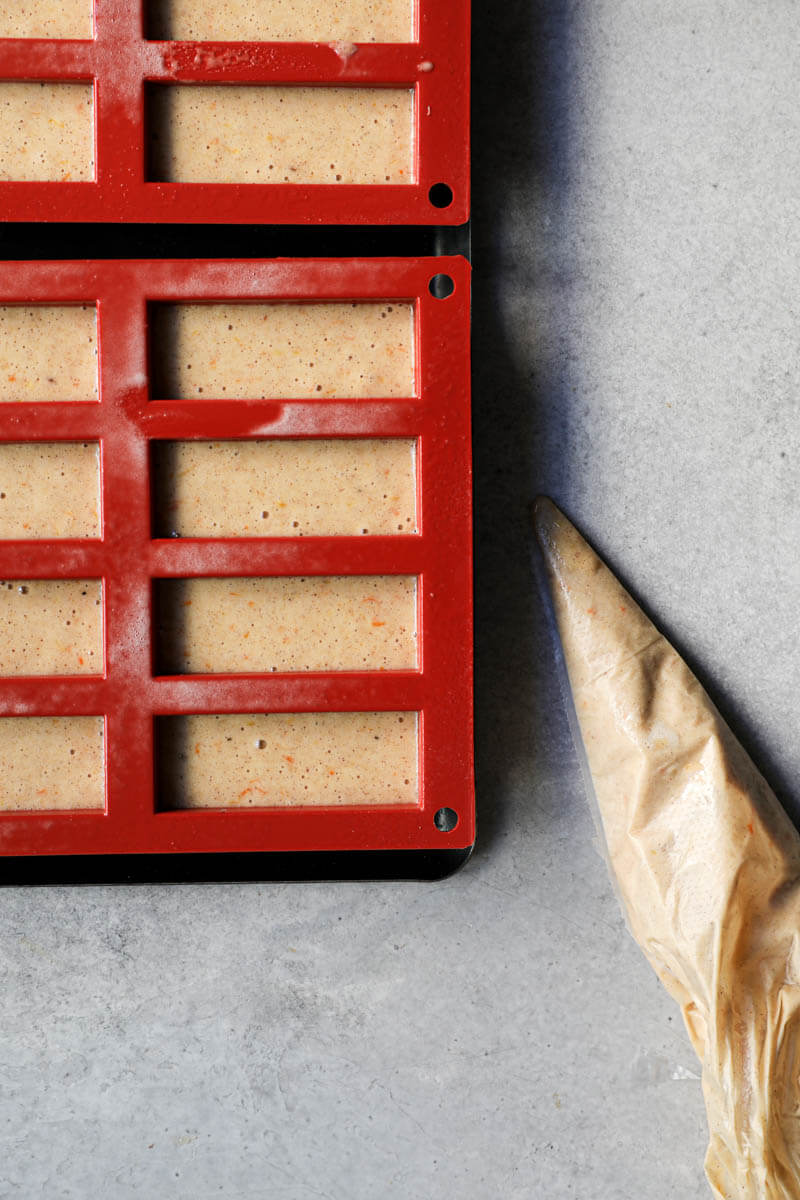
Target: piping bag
{"points": [[705, 860]]}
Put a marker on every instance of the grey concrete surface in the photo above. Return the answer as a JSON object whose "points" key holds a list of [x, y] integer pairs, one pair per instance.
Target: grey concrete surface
{"points": [[497, 1034]]}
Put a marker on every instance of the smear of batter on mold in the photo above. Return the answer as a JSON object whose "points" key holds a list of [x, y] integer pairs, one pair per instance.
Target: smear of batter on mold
{"points": [[344, 50], [706, 861]]}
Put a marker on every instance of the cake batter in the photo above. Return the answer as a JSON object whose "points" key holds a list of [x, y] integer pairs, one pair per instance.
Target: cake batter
{"points": [[319, 623], [288, 759], [49, 763], [49, 490], [46, 18], [51, 627], [48, 352], [282, 351], [46, 131], [245, 488], [276, 134], [282, 21], [285, 487]]}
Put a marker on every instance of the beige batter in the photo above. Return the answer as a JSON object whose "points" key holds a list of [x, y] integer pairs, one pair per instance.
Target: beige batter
{"points": [[282, 487], [282, 351], [282, 20], [51, 763], [49, 490], [279, 760], [706, 861], [45, 18], [319, 623], [48, 352], [51, 627], [46, 131], [240, 134], [285, 488]]}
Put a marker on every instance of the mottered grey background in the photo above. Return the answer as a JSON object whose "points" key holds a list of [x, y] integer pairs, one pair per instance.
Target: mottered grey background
{"points": [[636, 236]]}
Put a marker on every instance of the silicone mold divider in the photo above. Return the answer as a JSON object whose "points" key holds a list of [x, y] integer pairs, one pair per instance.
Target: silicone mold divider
{"points": [[121, 63], [128, 694]]}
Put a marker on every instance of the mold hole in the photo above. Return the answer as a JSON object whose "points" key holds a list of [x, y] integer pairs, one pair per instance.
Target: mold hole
{"points": [[441, 286], [441, 195], [445, 820]]}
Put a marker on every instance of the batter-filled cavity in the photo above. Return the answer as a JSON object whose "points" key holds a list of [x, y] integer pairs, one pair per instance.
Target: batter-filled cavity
{"points": [[317, 623], [48, 352], [305, 135], [51, 763], [49, 490], [51, 627], [282, 351], [287, 760], [344, 21], [285, 488], [46, 131], [46, 18]]}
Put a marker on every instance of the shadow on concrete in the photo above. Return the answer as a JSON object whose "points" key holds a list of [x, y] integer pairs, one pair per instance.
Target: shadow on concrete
{"points": [[522, 77]]}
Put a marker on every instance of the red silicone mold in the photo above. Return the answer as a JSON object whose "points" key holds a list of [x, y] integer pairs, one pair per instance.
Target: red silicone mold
{"points": [[121, 63], [129, 694]]}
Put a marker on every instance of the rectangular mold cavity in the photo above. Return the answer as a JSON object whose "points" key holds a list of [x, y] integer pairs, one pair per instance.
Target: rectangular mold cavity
{"points": [[51, 627], [49, 490], [48, 352], [289, 487], [302, 135], [51, 763], [316, 623], [282, 351], [345, 21], [291, 760], [46, 18], [46, 131]]}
